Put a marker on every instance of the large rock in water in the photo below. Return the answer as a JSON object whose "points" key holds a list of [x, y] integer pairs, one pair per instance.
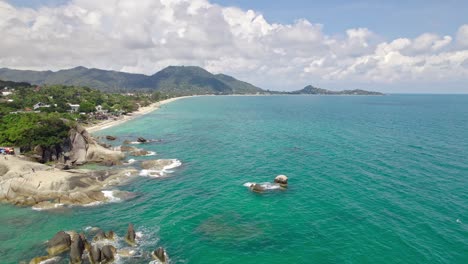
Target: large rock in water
{"points": [[282, 180], [59, 243], [159, 254], [94, 255], [130, 236], [76, 250], [107, 254]]}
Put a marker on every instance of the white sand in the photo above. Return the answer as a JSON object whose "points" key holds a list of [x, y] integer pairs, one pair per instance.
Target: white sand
{"points": [[141, 111]]}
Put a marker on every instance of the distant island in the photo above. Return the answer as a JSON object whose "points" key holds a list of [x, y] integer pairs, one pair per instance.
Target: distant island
{"points": [[172, 80], [309, 89]]}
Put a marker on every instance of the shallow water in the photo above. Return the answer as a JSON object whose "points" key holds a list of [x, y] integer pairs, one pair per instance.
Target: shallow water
{"points": [[372, 180]]}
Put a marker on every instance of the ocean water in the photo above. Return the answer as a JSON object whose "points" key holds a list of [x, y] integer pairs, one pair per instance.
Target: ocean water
{"points": [[371, 180]]}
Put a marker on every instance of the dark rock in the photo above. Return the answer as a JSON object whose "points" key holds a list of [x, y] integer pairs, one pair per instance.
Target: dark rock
{"points": [[159, 254], [94, 254], [110, 235], [100, 235], [257, 188], [110, 137], [142, 140], [130, 236], [76, 250], [59, 243], [128, 148], [107, 254]]}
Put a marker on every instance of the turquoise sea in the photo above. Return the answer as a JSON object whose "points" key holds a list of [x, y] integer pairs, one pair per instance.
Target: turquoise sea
{"points": [[371, 180]]}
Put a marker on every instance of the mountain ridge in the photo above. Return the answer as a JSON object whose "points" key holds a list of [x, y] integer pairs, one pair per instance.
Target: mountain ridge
{"points": [[178, 80]]}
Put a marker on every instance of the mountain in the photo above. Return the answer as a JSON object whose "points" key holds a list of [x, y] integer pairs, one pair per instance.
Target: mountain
{"points": [[309, 89], [178, 80]]}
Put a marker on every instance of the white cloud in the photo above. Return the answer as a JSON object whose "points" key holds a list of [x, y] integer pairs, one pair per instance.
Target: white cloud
{"points": [[148, 35]]}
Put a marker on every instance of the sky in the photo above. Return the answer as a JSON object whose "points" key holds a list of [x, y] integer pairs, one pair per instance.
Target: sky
{"points": [[390, 46]]}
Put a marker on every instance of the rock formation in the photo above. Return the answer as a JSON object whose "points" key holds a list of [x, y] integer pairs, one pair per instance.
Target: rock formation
{"points": [[108, 137], [156, 164], [130, 236], [76, 250], [142, 140], [94, 254], [159, 254], [282, 180], [107, 254], [59, 243], [24, 182]]}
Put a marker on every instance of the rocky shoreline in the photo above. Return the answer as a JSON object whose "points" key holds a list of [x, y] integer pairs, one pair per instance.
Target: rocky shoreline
{"points": [[26, 182], [96, 246]]}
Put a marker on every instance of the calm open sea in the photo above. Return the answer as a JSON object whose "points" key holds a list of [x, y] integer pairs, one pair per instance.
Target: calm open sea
{"points": [[372, 180]]}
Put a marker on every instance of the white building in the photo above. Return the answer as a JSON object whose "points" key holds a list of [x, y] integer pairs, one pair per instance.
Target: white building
{"points": [[74, 107], [40, 105]]}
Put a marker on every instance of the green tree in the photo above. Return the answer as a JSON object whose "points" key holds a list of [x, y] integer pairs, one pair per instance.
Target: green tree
{"points": [[87, 107]]}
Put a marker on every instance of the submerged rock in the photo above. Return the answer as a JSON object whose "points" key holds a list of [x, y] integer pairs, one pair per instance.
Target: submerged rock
{"points": [[130, 236], [108, 137], [59, 243], [142, 140], [282, 180], [159, 254], [156, 164], [255, 187], [38, 260]]}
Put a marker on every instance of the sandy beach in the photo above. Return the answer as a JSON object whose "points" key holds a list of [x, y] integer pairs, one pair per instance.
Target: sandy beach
{"points": [[142, 111]]}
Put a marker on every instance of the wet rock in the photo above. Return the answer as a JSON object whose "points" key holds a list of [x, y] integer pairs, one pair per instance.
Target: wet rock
{"points": [[59, 243], [257, 188], [107, 254], [130, 236], [159, 254], [38, 260], [156, 164], [142, 140], [108, 137], [110, 235], [126, 142], [128, 148], [94, 255], [100, 235], [139, 153], [76, 250], [282, 180]]}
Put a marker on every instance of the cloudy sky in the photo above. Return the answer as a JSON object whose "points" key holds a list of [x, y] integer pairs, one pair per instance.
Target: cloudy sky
{"points": [[390, 46]]}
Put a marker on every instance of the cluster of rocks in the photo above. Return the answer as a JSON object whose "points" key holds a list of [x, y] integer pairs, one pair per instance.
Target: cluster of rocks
{"points": [[77, 149], [280, 180], [99, 250]]}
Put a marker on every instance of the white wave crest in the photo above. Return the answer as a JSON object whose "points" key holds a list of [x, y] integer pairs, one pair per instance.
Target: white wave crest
{"points": [[265, 185]]}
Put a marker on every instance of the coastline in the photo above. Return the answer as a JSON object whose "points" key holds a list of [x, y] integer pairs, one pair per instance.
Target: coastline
{"points": [[141, 111]]}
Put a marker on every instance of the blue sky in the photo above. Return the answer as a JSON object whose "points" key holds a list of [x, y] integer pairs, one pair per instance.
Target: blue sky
{"points": [[412, 46]]}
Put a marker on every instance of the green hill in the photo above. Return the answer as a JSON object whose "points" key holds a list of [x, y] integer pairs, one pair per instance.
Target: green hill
{"points": [[178, 80]]}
